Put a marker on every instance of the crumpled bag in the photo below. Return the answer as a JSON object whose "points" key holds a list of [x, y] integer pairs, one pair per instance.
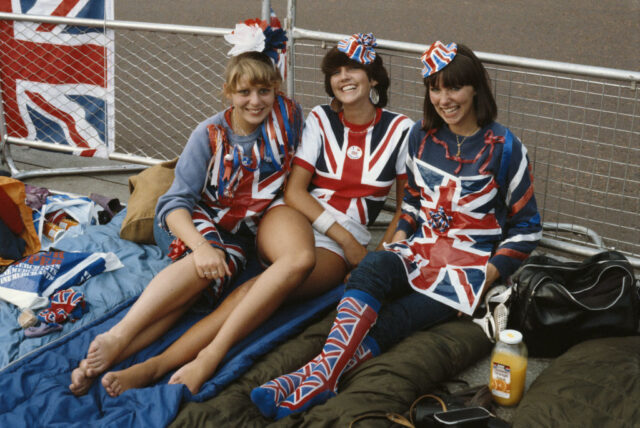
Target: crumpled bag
{"points": [[15, 189], [29, 282], [82, 209]]}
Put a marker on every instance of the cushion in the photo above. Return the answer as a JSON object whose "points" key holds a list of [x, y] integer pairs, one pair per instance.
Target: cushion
{"points": [[145, 189], [593, 384]]}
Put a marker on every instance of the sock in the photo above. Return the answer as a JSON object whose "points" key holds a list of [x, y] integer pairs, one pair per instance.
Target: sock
{"points": [[268, 396], [357, 312]]}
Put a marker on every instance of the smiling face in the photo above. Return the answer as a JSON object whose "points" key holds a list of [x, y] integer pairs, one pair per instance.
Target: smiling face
{"points": [[351, 85], [252, 103], [455, 106]]}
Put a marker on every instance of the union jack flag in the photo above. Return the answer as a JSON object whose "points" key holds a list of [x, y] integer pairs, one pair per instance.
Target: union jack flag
{"points": [[57, 80], [447, 256], [65, 305]]}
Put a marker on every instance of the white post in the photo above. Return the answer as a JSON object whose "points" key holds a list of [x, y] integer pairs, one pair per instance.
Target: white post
{"points": [[289, 25]]}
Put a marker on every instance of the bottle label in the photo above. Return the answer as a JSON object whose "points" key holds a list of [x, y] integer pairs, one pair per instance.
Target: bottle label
{"points": [[501, 380]]}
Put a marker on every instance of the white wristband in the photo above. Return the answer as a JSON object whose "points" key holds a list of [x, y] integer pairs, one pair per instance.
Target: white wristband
{"points": [[323, 222]]}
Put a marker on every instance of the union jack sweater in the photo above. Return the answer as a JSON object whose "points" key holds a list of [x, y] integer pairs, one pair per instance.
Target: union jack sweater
{"points": [[234, 196], [468, 198]]}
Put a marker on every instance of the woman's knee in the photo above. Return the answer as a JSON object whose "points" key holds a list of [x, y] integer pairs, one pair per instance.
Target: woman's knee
{"points": [[302, 261]]}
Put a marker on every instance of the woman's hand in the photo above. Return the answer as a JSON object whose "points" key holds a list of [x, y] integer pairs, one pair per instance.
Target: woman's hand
{"points": [[210, 262], [354, 251]]}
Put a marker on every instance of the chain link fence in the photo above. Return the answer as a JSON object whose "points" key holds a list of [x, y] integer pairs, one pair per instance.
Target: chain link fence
{"points": [[582, 131]]}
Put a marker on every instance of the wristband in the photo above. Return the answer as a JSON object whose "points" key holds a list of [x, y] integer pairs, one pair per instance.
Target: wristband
{"points": [[323, 222]]}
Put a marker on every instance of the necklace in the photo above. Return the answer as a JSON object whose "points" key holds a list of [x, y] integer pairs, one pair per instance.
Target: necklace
{"points": [[460, 142]]}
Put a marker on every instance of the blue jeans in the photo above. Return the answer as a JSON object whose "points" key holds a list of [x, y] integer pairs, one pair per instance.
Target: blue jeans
{"points": [[382, 275]]}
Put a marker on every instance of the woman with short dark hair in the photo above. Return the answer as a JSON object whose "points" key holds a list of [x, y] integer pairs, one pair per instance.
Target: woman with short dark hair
{"points": [[469, 217]]}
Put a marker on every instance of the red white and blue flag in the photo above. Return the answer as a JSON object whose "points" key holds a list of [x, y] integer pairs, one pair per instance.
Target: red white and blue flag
{"points": [[57, 80], [447, 256]]}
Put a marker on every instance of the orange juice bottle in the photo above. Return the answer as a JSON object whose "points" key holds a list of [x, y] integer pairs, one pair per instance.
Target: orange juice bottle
{"points": [[508, 368]]}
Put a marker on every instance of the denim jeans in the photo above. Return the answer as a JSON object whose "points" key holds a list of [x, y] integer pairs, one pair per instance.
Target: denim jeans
{"points": [[382, 275]]}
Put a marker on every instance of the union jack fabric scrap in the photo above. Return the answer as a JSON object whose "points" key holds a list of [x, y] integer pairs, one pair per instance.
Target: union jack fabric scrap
{"points": [[57, 80]]}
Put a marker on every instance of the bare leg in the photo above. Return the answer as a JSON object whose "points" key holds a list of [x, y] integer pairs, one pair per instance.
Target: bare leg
{"points": [[285, 238], [329, 271], [172, 289], [81, 381], [182, 351]]}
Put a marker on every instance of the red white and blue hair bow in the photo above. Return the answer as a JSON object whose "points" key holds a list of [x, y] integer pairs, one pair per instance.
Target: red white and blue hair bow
{"points": [[359, 47], [437, 57], [255, 35]]}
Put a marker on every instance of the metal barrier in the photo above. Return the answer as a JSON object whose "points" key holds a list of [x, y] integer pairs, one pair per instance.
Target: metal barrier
{"points": [[580, 124]]}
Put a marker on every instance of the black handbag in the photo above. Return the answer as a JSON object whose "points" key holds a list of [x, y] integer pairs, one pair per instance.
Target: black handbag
{"points": [[558, 304]]}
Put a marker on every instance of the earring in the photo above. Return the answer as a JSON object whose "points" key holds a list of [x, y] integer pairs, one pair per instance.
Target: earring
{"points": [[374, 95]]}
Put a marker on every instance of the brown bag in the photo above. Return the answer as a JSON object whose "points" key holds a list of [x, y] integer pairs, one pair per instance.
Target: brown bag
{"points": [[15, 190], [145, 189]]}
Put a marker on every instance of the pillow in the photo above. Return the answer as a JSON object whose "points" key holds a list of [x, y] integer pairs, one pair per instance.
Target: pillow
{"points": [[145, 189]]}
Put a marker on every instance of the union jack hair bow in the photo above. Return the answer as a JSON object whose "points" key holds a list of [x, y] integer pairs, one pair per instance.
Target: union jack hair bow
{"points": [[359, 47], [255, 35], [437, 57]]}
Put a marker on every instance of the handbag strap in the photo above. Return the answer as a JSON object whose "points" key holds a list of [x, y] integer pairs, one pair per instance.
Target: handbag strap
{"points": [[397, 418]]}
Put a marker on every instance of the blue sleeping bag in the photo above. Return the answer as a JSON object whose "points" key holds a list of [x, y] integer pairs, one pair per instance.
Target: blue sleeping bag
{"points": [[35, 386]]}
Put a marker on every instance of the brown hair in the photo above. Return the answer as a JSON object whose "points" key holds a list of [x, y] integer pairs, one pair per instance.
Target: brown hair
{"points": [[464, 69], [256, 67], [334, 59]]}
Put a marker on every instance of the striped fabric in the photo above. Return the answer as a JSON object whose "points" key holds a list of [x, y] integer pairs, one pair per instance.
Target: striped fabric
{"points": [[359, 47], [459, 217], [354, 167], [437, 57]]}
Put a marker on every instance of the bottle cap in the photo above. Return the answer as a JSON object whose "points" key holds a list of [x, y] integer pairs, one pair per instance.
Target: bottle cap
{"points": [[511, 337]]}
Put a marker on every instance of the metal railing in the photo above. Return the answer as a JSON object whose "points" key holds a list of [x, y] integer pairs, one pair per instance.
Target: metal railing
{"points": [[580, 124]]}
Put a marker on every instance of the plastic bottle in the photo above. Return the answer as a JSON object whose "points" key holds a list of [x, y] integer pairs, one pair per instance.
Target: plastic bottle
{"points": [[508, 368]]}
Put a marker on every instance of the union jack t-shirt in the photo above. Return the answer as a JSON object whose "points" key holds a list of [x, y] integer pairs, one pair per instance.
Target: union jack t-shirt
{"points": [[354, 166]]}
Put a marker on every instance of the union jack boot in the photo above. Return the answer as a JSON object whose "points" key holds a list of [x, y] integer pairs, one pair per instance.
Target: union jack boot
{"points": [[357, 312], [269, 396]]}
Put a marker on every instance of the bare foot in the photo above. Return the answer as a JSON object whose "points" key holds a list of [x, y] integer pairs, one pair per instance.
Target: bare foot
{"points": [[103, 351], [136, 376], [193, 374], [80, 381]]}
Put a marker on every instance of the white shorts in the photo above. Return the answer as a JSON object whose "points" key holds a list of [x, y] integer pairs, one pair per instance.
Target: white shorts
{"points": [[354, 227]]}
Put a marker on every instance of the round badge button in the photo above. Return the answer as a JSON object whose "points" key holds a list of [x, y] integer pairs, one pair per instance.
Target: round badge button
{"points": [[354, 152]]}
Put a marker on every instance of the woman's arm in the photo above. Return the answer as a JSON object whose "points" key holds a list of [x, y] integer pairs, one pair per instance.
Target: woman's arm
{"points": [[206, 257], [297, 196], [389, 234], [522, 227]]}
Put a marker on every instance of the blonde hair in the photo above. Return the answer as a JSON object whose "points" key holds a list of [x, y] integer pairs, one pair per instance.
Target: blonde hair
{"points": [[255, 67]]}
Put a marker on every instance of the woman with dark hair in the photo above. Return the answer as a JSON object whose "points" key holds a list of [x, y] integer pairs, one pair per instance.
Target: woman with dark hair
{"points": [[351, 152], [358, 150], [469, 217]]}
